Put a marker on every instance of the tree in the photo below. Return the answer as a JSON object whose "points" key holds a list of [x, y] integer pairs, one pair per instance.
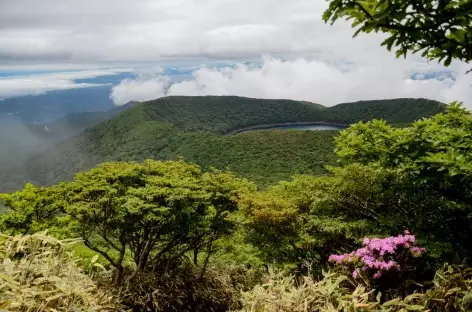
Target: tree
{"points": [[439, 29], [30, 210], [434, 152], [432, 161], [309, 218], [152, 212]]}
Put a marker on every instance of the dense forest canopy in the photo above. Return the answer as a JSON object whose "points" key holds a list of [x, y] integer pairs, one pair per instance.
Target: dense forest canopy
{"points": [[170, 217], [193, 127]]}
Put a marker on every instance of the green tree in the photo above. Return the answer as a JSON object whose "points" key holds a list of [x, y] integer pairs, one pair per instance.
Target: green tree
{"points": [[432, 163], [30, 210], [439, 29], [435, 152], [309, 218], [154, 211]]}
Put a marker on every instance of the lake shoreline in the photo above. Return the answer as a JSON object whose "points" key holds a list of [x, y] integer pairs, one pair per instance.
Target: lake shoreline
{"points": [[275, 125]]}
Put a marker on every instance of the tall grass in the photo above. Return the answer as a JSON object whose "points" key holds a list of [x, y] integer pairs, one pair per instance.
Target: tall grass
{"points": [[335, 292], [38, 274]]}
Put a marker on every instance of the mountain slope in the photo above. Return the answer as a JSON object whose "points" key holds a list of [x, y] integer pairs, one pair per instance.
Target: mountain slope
{"points": [[394, 111], [192, 127], [20, 140]]}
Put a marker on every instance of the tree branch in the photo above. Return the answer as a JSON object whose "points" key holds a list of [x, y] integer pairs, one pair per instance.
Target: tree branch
{"points": [[101, 252]]}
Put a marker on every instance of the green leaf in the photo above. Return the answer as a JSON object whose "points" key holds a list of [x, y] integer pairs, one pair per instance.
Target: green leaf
{"points": [[467, 299]]}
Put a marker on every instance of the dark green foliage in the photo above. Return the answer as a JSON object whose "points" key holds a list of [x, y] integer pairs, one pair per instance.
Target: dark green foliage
{"points": [[432, 163], [157, 211], [396, 111], [264, 156], [191, 126], [437, 29], [220, 114]]}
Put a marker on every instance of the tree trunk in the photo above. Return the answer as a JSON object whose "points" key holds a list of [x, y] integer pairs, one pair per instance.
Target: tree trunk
{"points": [[195, 256], [207, 258], [141, 265], [119, 275]]}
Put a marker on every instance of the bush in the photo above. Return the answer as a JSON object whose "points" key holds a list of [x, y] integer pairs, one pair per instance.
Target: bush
{"points": [[184, 289], [37, 274], [335, 292], [452, 289], [383, 264]]}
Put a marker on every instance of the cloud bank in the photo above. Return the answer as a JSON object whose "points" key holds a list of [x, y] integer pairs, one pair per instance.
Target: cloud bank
{"points": [[149, 30], [308, 80], [42, 83]]}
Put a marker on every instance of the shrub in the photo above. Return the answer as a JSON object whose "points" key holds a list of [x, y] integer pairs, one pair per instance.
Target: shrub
{"points": [[335, 292], [384, 263], [37, 274], [452, 289], [184, 289]]}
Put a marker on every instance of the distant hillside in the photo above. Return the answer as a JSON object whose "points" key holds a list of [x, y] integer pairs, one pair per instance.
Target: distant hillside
{"points": [[394, 111], [220, 114], [20, 140], [56, 104], [73, 124], [192, 127]]}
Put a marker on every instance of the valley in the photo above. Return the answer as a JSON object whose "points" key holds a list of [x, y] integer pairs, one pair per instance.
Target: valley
{"points": [[211, 131]]}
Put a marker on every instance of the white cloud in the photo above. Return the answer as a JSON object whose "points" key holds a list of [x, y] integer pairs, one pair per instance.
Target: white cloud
{"points": [[302, 79], [148, 85], [42, 83], [325, 64], [137, 30]]}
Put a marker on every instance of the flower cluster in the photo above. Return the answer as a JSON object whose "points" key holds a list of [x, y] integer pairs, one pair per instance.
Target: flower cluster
{"points": [[380, 255]]}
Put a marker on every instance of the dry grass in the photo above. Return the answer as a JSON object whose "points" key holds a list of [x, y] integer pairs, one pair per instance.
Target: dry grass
{"points": [[37, 274], [331, 294]]}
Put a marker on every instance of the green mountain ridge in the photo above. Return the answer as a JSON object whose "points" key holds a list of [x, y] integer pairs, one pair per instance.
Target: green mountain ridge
{"points": [[193, 127]]}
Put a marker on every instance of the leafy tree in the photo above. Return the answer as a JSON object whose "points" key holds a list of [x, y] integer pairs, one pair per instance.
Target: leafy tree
{"points": [[154, 211], [29, 210], [309, 218], [435, 153], [439, 29], [432, 163]]}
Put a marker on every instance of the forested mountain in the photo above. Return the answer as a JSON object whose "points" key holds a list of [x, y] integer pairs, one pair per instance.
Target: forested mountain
{"points": [[192, 127], [387, 229]]}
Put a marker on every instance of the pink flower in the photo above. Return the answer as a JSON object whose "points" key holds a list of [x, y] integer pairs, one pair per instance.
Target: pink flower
{"points": [[355, 274], [417, 251], [380, 255]]}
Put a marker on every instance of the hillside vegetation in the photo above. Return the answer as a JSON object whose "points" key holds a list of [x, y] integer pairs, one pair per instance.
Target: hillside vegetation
{"points": [[192, 127], [388, 229], [377, 233]]}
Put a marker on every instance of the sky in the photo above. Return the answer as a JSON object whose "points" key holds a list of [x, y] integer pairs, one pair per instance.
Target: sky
{"points": [[263, 48]]}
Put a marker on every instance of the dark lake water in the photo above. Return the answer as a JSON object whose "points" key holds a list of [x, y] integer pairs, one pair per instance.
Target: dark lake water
{"points": [[306, 127], [300, 126]]}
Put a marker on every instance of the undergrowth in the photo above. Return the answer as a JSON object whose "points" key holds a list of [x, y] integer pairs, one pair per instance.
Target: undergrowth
{"points": [[37, 274]]}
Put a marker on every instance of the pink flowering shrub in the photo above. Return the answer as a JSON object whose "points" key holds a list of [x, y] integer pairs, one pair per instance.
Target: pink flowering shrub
{"points": [[381, 258]]}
